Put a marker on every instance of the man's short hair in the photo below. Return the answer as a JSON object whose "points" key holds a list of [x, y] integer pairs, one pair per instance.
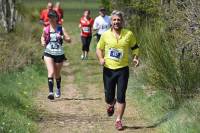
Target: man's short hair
{"points": [[102, 9], [118, 13]]}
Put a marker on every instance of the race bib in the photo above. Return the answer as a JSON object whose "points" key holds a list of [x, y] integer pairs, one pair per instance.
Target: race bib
{"points": [[115, 54], [53, 46], [103, 27], [86, 29]]}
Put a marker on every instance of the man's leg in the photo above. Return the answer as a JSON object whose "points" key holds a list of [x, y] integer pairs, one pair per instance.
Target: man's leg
{"points": [[122, 83], [120, 110], [109, 89]]}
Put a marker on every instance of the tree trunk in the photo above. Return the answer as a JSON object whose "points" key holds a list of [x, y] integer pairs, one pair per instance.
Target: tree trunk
{"points": [[8, 14]]}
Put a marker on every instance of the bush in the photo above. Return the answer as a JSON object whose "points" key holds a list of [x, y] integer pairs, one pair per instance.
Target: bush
{"points": [[17, 112], [168, 42], [21, 47], [164, 68]]}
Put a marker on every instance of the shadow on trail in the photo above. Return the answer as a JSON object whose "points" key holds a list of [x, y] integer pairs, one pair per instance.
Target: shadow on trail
{"points": [[139, 127], [77, 99], [162, 120]]}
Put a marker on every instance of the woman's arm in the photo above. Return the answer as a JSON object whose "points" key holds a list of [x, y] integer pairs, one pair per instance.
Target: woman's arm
{"points": [[43, 43], [79, 26], [66, 36]]}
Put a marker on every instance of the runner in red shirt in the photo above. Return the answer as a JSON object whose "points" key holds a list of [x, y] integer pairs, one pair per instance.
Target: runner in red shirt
{"points": [[86, 24], [44, 14], [60, 13]]}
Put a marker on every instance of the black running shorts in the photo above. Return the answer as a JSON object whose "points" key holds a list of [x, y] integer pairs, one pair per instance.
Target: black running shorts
{"points": [[115, 78], [56, 58]]}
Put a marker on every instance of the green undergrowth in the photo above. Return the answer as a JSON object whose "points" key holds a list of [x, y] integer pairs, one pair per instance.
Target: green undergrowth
{"points": [[17, 112], [158, 108], [165, 87]]}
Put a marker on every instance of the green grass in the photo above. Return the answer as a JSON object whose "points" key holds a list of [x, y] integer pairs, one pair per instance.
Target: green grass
{"points": [[17, 112], [17, 85], [65, 4], [73, 9], [150, 86], [21, 74], [159, 108], [156, 106], [86, 72]]}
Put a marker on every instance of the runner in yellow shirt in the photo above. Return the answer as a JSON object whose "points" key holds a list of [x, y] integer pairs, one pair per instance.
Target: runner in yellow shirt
{"points": [[113, 51]]}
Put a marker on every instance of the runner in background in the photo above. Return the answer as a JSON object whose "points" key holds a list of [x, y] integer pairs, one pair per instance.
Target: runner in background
{"points": [[44, 20], [52, 40], [101, 23], [86, 23], [60, 12]]}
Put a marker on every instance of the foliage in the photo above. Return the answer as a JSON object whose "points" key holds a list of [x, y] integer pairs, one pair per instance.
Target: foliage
{"points": [[106, 4], [168, 35], [17, 113], [165, 69], [20, 47]]}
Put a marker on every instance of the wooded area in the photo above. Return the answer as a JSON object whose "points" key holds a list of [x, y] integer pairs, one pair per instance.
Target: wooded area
{"points": [[169, 36], [8, 14]]}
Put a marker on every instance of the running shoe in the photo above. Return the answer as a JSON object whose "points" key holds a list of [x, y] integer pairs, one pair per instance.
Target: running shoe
{"points": [[82, 57], [58, 93], [110, 110], [86, 58], [51, 96], [118, 125]]}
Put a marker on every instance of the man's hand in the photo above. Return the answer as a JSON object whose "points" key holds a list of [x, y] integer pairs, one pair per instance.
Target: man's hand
{"points": [[102, 61], [68, 39], [136, 61]]}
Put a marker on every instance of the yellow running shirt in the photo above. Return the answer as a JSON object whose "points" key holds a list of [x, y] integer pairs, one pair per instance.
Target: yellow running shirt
{"points": [[117, 51]]}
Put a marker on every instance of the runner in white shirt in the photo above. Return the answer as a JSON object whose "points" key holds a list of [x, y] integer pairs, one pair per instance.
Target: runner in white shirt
{"points": [[101, 23]]}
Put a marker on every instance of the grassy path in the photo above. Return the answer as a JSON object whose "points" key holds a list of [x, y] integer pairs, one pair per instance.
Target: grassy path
{"points": [[81, 109]]}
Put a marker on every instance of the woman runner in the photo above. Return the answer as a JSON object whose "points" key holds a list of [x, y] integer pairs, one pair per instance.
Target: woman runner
{"points": [[86, 23], [52, 38]]}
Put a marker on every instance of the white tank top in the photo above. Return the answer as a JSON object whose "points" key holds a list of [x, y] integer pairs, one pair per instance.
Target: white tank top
{"points": [[102, 24], [54, 47]]}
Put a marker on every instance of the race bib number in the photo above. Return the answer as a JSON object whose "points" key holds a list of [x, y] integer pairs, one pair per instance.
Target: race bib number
{"points": [[55, 46], [86, 29], [103, 27], [115, 54]]}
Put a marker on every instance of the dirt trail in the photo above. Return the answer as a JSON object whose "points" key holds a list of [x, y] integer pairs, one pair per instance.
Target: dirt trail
{"points": [[77, 113]]}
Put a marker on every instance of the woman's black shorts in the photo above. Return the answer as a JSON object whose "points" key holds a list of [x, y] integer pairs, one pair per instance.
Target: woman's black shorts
{"points": [[56, 58]]}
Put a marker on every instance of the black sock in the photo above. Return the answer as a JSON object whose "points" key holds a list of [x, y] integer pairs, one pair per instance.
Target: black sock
{"points": [[50, 83], [58, 82]]}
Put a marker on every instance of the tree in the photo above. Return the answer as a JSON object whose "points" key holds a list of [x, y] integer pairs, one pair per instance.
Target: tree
{"points": [[8, 14]]}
